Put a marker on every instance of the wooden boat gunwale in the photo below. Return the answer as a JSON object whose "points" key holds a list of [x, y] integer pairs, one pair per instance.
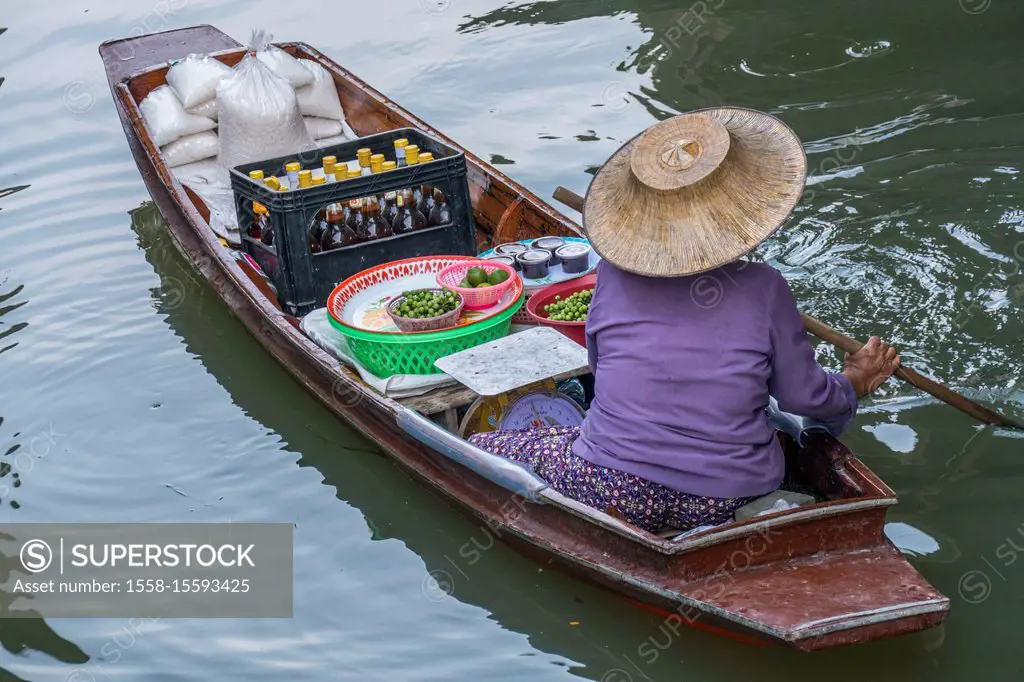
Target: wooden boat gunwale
{"points": [[375, 415]]}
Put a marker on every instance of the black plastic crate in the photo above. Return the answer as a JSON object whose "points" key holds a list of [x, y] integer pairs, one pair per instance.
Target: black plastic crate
{"points": [[304, 279]]}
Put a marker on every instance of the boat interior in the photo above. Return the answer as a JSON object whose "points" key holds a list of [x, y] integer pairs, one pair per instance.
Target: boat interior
{"points": [[504, 211]]}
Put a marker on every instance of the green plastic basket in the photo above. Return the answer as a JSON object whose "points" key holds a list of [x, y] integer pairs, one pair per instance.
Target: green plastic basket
{"points": [[389, 354]]}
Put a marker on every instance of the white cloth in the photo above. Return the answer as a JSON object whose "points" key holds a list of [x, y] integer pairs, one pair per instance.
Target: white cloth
{"points": [[318, 328]]}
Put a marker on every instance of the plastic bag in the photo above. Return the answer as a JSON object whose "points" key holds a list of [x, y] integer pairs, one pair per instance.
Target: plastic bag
{"points": [[207, 109], [191, 148], [279, 61], [320, 128], [207, 171], [319, 98], [194, 79], [259, 115], [167, 120]]}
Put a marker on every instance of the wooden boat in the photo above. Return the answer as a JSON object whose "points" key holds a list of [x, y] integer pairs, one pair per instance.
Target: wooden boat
{"points": [[818, 576]]}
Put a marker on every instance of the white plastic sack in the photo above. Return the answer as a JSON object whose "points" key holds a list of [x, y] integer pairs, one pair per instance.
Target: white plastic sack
{"points": [[167, 120], [207, 109], [191, 148], [283, 64], [320, 128], [194, 79], [319, 98], [207, 171], [259, 115]]}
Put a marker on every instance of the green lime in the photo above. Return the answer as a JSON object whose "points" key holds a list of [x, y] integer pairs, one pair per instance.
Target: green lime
{"points": [[497, 277], [476, 276], [482, 285]]}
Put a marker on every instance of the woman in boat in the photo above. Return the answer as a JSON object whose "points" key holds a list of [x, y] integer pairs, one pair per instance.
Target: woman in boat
{"points": [[686, 341]]}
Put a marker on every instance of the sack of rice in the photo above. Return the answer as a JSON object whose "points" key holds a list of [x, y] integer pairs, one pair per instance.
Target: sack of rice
{"points": [[207, 109], [194, 79], [259, 115], [190, 149], [320, 128], [279, 61], [167, 120], [319, 98]]}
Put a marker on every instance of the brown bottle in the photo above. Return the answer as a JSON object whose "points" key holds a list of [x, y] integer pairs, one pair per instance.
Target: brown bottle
{"points": [[372, 220], [263, 220], [259, 212], [337, 234], [441, 213], [425, 193], [389, 209], [409, 218], [260, 221], [355, 218], [316, 232]]}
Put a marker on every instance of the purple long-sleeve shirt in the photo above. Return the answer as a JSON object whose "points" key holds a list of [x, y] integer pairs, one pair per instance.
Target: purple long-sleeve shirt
{"points": [[684, 368]]}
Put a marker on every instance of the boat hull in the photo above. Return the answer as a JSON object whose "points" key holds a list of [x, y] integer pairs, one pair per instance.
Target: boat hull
{"points": [[744, 580]]}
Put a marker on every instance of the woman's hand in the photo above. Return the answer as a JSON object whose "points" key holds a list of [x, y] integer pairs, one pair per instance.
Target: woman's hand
{"points": [[868, 368]]}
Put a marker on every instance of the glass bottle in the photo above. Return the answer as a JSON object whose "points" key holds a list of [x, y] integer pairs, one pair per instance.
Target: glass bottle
{"points": [[363, 155], [412, 155], [319, 229], [305, 179], [292, 169], [400, 145], [425, 200], [441, 213], [377, 163], [330, 168], [355, 218], [409, 218], [337, 234], [260, 215]]}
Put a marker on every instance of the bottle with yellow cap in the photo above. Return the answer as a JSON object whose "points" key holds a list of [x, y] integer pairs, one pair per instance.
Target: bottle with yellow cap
{"points": [[292, 168], [337, 234], [400, 145], [355, 217], [425, 195], [441, 213], [260, 214], [412, 155], [319, 229], [363, 155], [305, 179], [373, 222], [377, 163], [330, 164], [409, 218], [389, 201]]}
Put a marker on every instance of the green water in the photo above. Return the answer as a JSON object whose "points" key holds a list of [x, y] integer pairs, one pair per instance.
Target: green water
{"points": [[131, 394]]}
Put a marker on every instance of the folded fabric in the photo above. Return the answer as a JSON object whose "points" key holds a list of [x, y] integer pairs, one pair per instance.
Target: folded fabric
{"points": [[318, 328]]}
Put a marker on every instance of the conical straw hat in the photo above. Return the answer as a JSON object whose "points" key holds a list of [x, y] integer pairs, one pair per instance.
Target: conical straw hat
{"points": [[695, 192]]}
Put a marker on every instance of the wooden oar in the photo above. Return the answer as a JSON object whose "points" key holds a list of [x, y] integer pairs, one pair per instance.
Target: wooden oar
{"points": [[845, 343]]}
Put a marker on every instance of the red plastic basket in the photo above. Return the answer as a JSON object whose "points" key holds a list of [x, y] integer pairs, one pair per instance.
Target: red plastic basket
{"points": [[476, 299], [577, 331]]}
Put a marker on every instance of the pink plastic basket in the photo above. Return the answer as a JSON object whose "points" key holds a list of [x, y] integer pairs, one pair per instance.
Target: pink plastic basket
{"points": [[476, 299]]}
